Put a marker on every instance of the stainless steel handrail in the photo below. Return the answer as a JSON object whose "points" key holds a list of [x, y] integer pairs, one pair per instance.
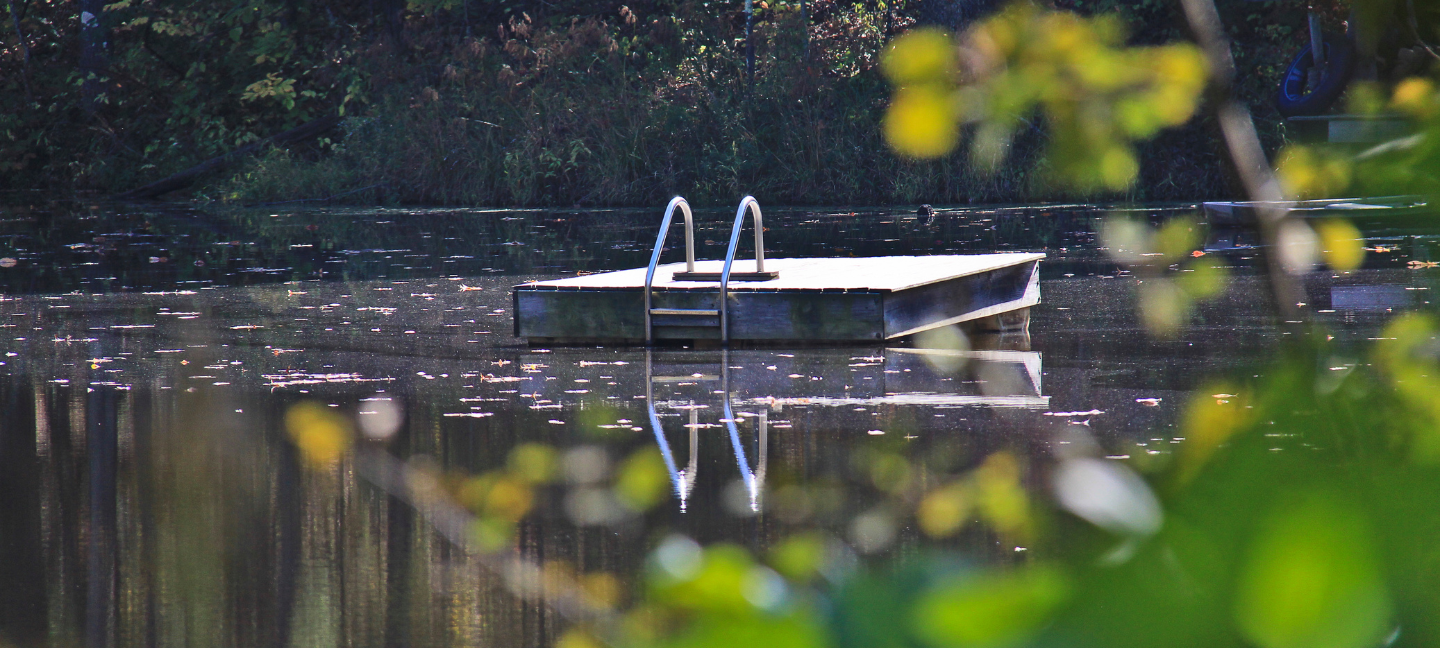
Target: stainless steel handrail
{"points": [[677, 201], [754, 208]]}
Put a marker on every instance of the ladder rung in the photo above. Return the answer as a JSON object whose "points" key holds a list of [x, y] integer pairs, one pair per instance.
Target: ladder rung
{"points": [[693, 312]]}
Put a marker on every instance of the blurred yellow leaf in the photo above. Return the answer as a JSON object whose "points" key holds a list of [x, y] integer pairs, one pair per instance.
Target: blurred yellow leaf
{"points": [[1341, 243], [921, 122], [508, 499], [1364, 98], [1001, 497], [1203, 278], [1311, 580], [642, 481], [1164, 308], [320, 433], [1306, 172], [492, 534], [532, 462], [1118, 167], [944, 510], [920, 56], [1415, 97], [1176, 238], [578, 638], [1209, 421], [800, 556], [991, 610], [602, 589]]}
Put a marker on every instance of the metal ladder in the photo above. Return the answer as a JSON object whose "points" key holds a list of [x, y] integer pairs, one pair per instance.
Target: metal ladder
{"points": [[721, 314]]}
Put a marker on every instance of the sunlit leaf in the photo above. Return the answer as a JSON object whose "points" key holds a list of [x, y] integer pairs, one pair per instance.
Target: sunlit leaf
{"points": [[1307, 172], [602, 589], [492, 534], [577, 638], [1176, 238], [1416, 96], [508, 498]]}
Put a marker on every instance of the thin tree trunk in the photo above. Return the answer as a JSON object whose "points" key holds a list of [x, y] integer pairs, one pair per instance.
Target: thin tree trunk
{"points": [[1246, 153], [24, 51], [189, 176], [94, 40], [749, 43]]}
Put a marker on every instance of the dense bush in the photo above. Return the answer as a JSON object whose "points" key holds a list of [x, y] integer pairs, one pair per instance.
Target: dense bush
{"points": [[528, 103]]}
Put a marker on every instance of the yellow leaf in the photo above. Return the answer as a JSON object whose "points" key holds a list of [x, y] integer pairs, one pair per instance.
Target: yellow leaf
{"points": [[920, 56], [1342, 244], [320, 433], [944, 510], [921, 122], [1208, 422]]}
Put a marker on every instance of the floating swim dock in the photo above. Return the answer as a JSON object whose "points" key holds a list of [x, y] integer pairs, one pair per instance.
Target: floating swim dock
{"points": [[824, 300]]}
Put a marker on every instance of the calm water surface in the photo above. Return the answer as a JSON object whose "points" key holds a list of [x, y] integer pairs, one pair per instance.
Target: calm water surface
{"points": [[150, 495]]}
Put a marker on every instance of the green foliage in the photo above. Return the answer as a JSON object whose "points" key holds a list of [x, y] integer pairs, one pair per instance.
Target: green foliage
{"points": [[514, 102]]}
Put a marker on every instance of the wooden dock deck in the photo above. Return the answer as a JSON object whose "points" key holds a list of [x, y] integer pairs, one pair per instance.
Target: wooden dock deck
{"points": [[824, 300]]}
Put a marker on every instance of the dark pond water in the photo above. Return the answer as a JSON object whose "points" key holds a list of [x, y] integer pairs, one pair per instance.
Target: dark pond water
{"points": [[151, 496]]}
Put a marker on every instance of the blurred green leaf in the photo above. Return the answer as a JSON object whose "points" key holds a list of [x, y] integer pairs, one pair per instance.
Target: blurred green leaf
{"points": [[642, 480], [1312, 580], [995, 609]]}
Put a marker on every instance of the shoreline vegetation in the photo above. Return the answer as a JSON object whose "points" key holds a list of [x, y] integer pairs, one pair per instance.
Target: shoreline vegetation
{"points": [[531, 104]]}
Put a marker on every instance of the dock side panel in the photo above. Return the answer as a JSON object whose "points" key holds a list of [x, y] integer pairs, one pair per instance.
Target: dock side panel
{"points": [[829, 316], [962, 299], [594, 314]]}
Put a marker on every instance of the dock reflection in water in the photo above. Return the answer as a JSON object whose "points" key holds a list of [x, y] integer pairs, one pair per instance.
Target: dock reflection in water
{"points": [[768, 382]]}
